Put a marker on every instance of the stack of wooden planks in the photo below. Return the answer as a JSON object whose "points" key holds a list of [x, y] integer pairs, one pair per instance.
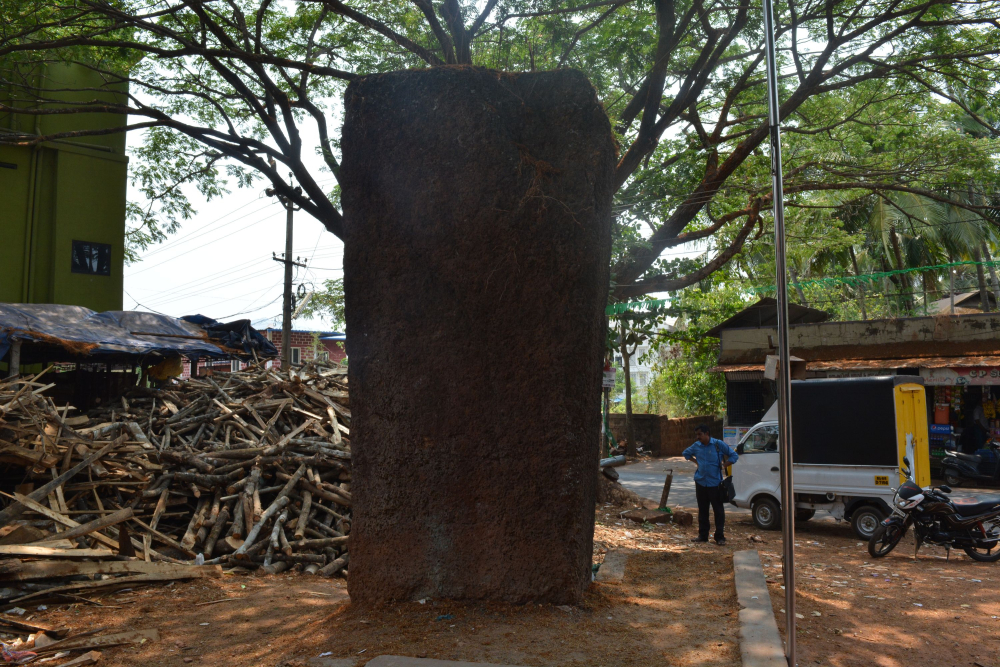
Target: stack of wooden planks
{"points": [[249, 469]]}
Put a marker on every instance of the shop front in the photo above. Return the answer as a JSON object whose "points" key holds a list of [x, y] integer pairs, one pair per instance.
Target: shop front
{"points": [[964, 401]]}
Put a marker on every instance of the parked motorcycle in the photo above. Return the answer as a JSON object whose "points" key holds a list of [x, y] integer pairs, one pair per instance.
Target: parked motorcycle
{"points": [[957, 468], [972, 524]]}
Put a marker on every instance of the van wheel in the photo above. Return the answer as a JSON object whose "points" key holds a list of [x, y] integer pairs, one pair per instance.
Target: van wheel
{"points": [[766, 513], [803, 514], [865, 520]]}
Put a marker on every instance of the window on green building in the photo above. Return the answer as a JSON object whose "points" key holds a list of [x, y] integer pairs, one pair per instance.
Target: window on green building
{"points": [[91, 258]]}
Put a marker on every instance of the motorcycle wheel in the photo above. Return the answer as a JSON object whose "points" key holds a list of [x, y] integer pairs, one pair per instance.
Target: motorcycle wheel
{"points": [[951, 479], [884, 539], [983, 555]]}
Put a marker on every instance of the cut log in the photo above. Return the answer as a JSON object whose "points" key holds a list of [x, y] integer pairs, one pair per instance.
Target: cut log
{"points": [[213, 535], [334, 567], [161, 507], [300, 525], [196, 520], [320, 543], [274, 508]]}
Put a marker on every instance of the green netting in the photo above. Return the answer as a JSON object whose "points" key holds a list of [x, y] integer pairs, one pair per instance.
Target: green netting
{"points": [[621, 307]]}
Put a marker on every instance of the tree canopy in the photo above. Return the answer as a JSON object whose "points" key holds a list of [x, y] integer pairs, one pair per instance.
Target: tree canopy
{"points": [[246, 89]]}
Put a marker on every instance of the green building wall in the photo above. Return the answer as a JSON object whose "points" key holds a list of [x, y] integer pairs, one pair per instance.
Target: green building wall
{"points": [[58, 192]]}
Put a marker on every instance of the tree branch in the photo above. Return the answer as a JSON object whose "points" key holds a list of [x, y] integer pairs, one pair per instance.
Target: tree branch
{"points": [[671, 283]]}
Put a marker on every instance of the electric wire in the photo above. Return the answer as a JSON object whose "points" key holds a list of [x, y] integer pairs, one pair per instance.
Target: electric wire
{"points": [[183, 238], [241, 229]]}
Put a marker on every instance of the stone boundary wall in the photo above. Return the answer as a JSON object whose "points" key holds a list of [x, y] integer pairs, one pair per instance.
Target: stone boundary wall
{"points": [[664, 436]]}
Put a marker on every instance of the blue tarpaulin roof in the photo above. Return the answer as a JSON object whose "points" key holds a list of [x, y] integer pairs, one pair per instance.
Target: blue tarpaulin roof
{"points": [[74, 331]]}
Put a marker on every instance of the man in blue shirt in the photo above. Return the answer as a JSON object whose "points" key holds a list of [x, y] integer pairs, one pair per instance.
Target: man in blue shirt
{"points": [[712, 456]]}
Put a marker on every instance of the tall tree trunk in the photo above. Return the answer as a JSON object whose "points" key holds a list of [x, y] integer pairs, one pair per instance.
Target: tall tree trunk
{"points": [[629, 426], [993, 271], [798, 287], [984, 297], [904, 299], [861, 287]]}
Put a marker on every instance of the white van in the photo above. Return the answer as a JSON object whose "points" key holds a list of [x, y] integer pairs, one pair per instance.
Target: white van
{"points": [[849, 439]]}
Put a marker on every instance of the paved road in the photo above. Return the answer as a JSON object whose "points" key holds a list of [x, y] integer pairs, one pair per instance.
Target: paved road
{"points": [[646, 478]]}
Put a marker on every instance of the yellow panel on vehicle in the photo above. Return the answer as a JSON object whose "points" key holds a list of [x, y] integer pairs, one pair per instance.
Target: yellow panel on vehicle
{"points": [[911, 417]]}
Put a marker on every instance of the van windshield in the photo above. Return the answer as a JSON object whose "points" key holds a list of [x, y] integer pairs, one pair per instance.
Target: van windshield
{"points": [[764, 439]]}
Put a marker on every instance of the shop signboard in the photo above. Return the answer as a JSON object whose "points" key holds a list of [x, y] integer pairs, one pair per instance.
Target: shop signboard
{"points": [[731, 435], [978, 375]]}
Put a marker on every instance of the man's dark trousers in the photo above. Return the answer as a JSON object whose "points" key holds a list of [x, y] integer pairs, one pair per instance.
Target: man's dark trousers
{"points": [[710, 495]]}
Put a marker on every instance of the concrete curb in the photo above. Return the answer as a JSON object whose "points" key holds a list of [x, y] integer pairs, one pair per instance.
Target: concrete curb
{"points": [[612, 570], [760, 643], [400, 661]]}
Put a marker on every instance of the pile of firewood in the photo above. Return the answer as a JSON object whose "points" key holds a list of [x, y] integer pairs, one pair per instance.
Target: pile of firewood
{"points": [[248, 469]]}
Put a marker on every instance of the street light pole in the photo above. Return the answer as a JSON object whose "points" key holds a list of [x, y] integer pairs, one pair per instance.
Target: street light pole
{"points": [[784, 370]]}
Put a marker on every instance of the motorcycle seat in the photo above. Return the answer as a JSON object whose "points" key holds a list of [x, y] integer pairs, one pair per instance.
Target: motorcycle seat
{"points": [[971, 458], [974, 506]]}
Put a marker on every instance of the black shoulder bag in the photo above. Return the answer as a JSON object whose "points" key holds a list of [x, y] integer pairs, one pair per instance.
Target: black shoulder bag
{"points": [[726, 488]]}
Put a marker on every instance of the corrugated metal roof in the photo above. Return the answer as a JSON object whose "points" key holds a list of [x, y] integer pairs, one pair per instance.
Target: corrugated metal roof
{"points": [[765, 313], [732, 368], [869, 364]]}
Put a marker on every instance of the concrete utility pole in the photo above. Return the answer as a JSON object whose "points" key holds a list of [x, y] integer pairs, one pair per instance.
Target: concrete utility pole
{"points": [[784, 369], [286, 259], [951, 289], [630, 447]]}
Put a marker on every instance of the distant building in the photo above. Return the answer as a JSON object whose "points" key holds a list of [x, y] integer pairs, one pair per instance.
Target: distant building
{"points": [[63, 213], [965, 304], [309, 345], [640, 368], [957, 357], [641, 363], [306, 346]]}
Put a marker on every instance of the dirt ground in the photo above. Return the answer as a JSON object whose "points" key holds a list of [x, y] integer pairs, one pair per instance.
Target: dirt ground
{"points": [[889, 612], [677, 606]]}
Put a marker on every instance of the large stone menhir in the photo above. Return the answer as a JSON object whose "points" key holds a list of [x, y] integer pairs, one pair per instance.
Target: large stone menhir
{"points": [[478, 213]]}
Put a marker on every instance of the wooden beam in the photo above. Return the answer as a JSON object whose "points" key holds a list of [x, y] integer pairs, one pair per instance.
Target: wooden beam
{"points": [[29, 550], [50, 569], [91, 526], [61, 518], [192, 572], [14, 510]]}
